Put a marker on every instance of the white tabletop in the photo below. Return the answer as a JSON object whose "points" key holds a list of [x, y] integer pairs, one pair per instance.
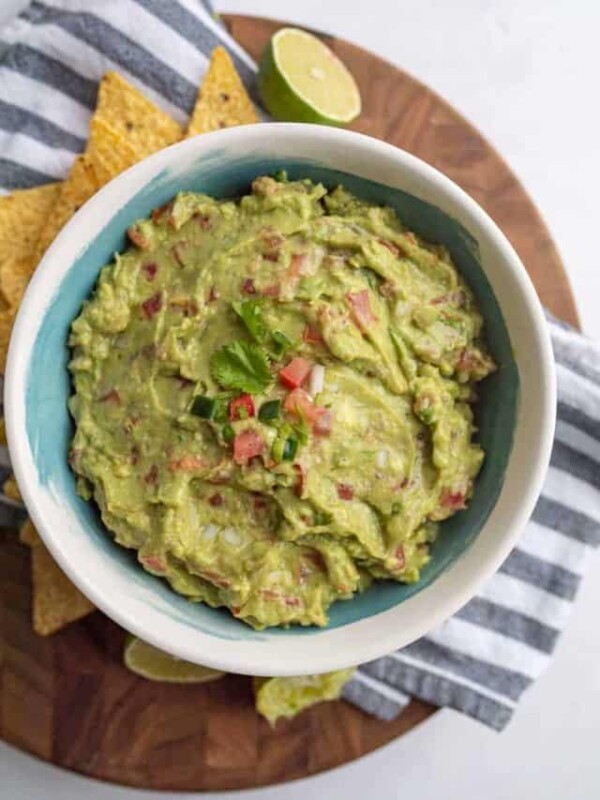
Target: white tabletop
{"points": [[526, 73]]}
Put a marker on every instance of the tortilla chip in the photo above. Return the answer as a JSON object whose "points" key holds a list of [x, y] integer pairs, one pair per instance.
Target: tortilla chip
{"points": [[28, 534], [222, 99], [79, 186], [22, 216], [14, 277], [56, 601], [11, 489], [130, 122], [109, 153], [138, 121], [7, 317], [125, 128]]}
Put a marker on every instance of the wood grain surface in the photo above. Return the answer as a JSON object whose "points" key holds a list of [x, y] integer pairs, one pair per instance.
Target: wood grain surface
{"points": [[69, 700]]}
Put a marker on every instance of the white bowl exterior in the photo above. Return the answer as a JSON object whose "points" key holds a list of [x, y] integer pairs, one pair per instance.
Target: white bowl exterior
{"points": [[368, 638]]}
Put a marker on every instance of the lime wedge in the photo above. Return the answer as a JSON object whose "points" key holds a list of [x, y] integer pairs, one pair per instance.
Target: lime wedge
{"points": [[301, 80], [154, 665]]}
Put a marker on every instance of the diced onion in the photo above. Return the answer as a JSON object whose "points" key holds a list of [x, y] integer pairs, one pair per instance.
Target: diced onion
{"points": [[317, 380], [334, 388], [381, 459], [401, 308], [210, 531], [277, 576], [231, 536]]}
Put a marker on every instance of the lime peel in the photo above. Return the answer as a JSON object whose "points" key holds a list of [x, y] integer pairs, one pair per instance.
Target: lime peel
{"points": [[155, 665]]}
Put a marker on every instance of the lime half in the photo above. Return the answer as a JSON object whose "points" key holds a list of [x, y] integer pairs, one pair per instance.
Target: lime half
{"points": [[153, 664], [301, 80]]}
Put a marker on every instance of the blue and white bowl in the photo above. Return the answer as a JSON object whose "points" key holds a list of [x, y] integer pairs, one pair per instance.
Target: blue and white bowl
{"points": [[515, 415]]}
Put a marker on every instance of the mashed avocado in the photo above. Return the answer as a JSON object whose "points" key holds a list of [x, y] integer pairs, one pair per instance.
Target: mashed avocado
{"points": [[272, 398], [288, 697]]}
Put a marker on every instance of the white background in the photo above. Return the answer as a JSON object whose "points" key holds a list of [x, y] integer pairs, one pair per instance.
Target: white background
{"points": [[526, 73]]}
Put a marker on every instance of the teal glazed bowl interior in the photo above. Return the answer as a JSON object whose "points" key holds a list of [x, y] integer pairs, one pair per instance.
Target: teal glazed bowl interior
{"points": [[38, 381]]}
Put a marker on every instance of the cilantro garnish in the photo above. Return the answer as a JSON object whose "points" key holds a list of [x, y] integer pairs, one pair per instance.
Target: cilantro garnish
{"points": [[251, 314], [241, 365]]}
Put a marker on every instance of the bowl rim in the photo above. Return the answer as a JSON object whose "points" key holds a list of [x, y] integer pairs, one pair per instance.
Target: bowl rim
{"points": [[236, 657]]}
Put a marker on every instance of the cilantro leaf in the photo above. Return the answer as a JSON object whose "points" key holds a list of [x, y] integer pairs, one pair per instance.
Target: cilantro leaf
{"points": [[250, 312], [241, 365]]}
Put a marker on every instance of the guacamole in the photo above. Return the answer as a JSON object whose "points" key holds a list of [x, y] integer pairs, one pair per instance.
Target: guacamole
{"points": [[273, 398], [288, 697]]}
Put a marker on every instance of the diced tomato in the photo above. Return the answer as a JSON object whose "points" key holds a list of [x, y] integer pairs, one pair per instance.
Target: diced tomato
{"points": [[248, 286], [247, 445], [260, 502], [298, 265], [151, 476], [154, 563], [312, 335], [466, 361], [400, 556], [393, 248], [300, 404], [317, 560], [152, 305], [75, 458], [162, 211], [295, 373], [241, 408], [460, 298], [301, 481], [273, 290], [322, 423], [361, 309], [203, 221], [216, 500], [270, 594], [272, 245], [288, 600], [457, 298], [216, 578], [345, 491], [150, 270], [453, 500], [111, 397], [178, 251], [188, 463], [138, 238]]}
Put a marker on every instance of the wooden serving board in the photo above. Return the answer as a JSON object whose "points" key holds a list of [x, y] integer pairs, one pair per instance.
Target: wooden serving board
{"points": [[69, 700]]}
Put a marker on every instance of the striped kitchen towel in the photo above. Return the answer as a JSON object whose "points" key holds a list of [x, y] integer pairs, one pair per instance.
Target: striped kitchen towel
{"points": [[482, 659], [57, 51]]}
